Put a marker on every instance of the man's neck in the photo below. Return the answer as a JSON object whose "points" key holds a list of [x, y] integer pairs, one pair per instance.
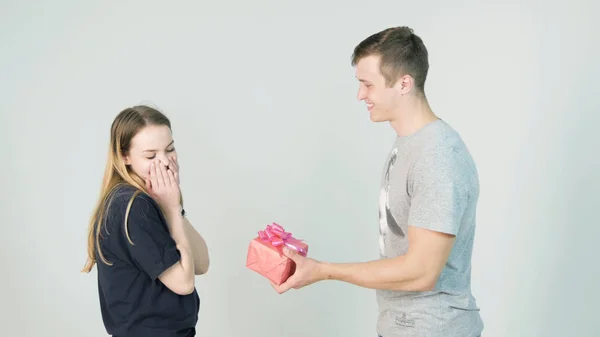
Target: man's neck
{"points": [[414, 117]]}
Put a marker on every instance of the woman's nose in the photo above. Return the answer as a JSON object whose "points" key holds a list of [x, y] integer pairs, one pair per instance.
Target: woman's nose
{"points": [[163, 159]]}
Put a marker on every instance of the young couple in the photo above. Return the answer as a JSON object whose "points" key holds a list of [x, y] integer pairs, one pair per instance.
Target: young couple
{"points": [[147, 253]]}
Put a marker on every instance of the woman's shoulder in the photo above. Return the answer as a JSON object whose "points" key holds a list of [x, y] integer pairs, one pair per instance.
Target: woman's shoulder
{"points": [[126, 202], [125, 196]]}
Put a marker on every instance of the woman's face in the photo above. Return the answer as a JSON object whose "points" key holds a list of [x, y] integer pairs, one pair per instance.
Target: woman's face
{"points": [[152, 143]]}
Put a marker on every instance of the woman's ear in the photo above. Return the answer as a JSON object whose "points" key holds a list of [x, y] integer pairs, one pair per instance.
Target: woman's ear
{"points": [[126, 160]]}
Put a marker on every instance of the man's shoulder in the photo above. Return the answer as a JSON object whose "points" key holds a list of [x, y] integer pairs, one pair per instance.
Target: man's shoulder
{"points": [[440, 147], [438, 134]]}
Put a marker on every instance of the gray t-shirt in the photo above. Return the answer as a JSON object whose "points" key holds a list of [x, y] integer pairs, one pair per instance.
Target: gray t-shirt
{"points": [[430, 181]]}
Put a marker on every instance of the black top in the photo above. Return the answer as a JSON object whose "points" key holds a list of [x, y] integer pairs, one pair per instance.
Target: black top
{"points": [[133, 301]]}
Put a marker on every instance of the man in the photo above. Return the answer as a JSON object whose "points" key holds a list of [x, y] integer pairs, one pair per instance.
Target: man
{"points": [[427, 203]]}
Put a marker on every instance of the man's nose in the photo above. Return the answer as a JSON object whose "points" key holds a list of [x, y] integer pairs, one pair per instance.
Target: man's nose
{"points": [[361, 94]]}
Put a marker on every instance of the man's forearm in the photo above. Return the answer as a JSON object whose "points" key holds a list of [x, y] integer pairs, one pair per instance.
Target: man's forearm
{"points": [[397, 273]]}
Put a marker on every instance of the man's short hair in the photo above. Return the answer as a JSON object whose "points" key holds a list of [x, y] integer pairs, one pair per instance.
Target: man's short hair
{"points": [[401, 51]]}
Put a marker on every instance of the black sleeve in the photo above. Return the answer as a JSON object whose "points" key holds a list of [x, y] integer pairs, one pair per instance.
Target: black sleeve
{"points": [[153, 249]]}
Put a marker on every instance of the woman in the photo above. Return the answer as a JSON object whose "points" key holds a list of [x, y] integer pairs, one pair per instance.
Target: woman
{"points": [[148, 252]]}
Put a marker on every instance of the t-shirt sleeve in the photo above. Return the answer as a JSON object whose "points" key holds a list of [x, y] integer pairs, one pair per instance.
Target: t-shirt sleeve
{"points": [[153, 249], [440, 191]]}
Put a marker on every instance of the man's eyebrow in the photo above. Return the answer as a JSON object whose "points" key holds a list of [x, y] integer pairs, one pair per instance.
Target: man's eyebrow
{"points": [[153, 150]]}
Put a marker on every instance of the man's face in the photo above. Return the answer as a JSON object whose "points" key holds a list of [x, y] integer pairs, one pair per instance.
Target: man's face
{"points": [[382, 101]]}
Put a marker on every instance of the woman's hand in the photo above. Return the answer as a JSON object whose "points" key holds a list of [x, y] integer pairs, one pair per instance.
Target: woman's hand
{"points": [[174, 166], [163, 187]]}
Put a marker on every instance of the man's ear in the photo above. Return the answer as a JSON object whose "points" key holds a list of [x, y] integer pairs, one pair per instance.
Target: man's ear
{"points": [[405, 84]]}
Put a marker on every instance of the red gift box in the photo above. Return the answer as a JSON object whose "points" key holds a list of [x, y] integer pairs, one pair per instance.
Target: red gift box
{"points": [[265, 254]]}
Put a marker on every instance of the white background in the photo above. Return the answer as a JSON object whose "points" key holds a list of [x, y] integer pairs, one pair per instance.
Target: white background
{"points": [[263, 103]]}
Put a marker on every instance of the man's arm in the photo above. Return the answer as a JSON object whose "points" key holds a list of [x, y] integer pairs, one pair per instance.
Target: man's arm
{"points": [[441, 185], [198, 247], [417, 270]]}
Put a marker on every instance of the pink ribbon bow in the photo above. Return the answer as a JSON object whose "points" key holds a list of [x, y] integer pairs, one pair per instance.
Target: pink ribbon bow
{"points": [[275, 234]]}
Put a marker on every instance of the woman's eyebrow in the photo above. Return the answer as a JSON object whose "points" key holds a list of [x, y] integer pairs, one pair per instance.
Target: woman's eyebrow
{"points": [[153, 150]]}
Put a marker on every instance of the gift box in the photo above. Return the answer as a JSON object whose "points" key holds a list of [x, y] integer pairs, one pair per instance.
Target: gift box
{"points": [[265, 255]]}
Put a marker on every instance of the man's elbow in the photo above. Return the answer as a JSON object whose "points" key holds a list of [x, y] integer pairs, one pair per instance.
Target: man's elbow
{"points": [[427, 281], [426, 286], [422, 280]]}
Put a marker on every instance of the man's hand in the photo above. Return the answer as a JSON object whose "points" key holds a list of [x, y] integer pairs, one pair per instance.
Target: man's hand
{"points": [[308, 271]]}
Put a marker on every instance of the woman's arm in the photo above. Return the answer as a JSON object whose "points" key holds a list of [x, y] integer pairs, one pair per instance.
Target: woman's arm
{"points": [[180, 277], [197, 244], [199, 249]]}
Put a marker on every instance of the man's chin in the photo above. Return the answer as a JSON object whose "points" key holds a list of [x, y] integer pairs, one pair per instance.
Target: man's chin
{"points": [[376, 118]]}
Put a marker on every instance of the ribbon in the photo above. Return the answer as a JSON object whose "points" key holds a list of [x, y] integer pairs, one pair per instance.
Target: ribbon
{"points": [[277, 236]]}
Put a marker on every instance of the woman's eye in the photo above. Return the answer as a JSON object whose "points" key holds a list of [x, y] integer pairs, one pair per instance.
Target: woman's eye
{"points": [[150, 158], [171, 150]]}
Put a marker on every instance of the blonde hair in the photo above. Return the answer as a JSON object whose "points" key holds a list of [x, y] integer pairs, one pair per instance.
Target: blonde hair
{"points": [[125, 126]]}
